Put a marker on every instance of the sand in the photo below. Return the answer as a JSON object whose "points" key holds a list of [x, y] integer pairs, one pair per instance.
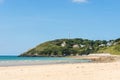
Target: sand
{"points": [[81, 71]]}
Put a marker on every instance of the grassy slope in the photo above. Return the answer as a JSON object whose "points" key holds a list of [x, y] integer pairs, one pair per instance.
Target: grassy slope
{"points": [[112, 49]]}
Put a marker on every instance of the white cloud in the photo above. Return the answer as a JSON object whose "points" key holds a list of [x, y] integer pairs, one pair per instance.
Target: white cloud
{"points": [[80, 1], [1, 1]]}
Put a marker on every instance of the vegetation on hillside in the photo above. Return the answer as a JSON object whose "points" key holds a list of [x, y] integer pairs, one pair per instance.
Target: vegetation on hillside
{"points": [[78, 46]]}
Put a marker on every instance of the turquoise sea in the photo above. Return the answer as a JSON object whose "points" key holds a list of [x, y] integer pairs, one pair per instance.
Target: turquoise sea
{"points": [[17, 61]]}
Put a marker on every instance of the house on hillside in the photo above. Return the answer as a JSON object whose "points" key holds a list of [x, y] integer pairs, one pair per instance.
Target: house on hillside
{"points": [[82, 45], [109, 44], [63, 44], [76, 46], [101, 45]]}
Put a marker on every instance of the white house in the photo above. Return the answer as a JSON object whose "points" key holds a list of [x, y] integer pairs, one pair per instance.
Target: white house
{"points": [[82, 45], [109, 44], [63, 44], [101, 45], [76, 46]]}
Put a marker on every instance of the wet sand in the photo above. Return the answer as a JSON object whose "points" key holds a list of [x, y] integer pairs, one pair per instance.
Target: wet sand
{"points": [[78, 71]]}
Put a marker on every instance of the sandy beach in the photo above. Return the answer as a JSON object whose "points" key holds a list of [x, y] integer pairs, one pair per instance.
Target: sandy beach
{"points": [[81, 71]]}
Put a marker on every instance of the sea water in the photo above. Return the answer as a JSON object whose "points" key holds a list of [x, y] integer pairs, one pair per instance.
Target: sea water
{"points": [[18, 61]]}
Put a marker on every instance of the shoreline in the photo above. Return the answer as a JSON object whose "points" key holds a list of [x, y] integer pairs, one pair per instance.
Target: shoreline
{"points": [[73, 60], [100, 58], [109, 70], [40, 62]]}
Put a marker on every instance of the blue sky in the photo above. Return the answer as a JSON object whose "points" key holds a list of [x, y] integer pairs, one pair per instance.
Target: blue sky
{"points": [[27, 23]]}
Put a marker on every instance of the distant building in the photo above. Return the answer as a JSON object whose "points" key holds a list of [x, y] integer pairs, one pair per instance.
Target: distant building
{"points": [[63, 44], [76, 46], [82, 45], [109, 44], [101, 45]]}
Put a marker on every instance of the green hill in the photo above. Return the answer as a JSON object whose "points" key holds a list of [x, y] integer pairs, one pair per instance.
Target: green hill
{"points": [[115, 49], [78, 46]]}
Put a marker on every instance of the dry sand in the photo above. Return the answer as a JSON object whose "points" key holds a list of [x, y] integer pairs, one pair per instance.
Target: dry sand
{"points": [[83, 71]]}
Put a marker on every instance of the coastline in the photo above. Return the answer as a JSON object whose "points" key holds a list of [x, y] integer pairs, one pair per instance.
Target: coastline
{"points": [[100, 58], [28, 61], [77, 71]]}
